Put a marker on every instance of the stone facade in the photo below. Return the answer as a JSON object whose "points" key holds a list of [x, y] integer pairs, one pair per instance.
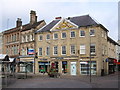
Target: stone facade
{"points": [[76, 58], [1, 43]]}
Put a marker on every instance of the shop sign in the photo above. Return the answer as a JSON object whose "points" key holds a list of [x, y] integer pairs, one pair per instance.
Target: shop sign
{"points": [[106, 60], [59, 58], [31, 51], [43, 59]]}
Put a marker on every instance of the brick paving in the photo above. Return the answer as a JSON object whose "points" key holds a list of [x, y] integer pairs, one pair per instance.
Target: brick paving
{"points": [[65, 81]]}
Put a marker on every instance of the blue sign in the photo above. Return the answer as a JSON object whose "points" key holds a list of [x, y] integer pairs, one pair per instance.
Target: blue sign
{"points": [[106, 59]]}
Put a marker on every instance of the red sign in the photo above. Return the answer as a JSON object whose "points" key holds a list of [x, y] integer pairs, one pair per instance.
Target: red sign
{"points": [[115, 61]]}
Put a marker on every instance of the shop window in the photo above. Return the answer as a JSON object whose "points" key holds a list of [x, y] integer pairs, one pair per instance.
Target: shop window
{"points": [[85, 67]]}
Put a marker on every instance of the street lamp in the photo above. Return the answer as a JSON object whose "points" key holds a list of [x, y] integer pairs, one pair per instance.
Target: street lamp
{"points": [[90, 55]]}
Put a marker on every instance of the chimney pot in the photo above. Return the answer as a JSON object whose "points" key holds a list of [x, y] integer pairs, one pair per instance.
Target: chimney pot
{"points": [[58, 17], [18, 22], [33, 17]]}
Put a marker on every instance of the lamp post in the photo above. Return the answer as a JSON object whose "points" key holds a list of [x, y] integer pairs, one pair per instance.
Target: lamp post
{"points": [[90, 56]]}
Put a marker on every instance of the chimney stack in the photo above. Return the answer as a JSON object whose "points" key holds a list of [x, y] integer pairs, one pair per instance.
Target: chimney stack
{"points": [[33, 17], [18, 22], [58, 17]]}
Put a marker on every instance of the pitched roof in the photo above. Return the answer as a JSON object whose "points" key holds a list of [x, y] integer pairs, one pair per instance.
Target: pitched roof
{"points": [[81, 21], [30, 26], [85, 20], [49, 26], [112, 41], [24, 27]]}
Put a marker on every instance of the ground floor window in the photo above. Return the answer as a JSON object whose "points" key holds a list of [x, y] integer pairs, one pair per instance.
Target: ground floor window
{"points": [[85, 67], [26, 66], [64, 66], [43, 67]]}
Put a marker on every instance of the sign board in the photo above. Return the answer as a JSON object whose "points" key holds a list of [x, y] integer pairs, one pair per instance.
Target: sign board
{"points": [[31, 51]]}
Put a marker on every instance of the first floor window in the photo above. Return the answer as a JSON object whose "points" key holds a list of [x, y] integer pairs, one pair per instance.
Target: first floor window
{"points": [[55, 50], [55, 36], [40, 51], [82, 49], [63, 35], [72, 49], [48, 50], [63, 50], [92, 48], [72, 34], [92, 32], [48, 36], [40, 38], [82, 33]]}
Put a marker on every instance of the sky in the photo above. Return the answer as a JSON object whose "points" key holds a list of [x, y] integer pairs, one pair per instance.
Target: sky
{"points": [[104, 11]]}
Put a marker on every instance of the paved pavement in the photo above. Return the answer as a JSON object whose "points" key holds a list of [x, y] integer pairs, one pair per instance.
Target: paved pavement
{"points": [[40, 81]]}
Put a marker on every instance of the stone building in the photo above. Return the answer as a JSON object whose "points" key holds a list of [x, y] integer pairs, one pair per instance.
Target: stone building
{"points": [[68, 42], [112, 55], [1, 43], [19, 40], [27, 43]]}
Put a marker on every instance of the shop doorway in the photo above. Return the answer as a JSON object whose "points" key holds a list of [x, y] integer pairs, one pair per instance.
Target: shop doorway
{"points": [[43, 67], [64, 66], [56, 65], [73, 68]]}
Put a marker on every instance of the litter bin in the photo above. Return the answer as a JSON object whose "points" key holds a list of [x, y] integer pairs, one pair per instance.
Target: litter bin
{"points": [[102, 72]]}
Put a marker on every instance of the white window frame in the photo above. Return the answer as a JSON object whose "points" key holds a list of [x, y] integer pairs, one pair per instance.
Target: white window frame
{"points": [[62, 50], [54, 36], [90, 32], [95, 47], [80, 33], [54, 50], [48, 52], [71, 34], [82, 47], [47, 37], [62, 35], [71, 50], [39, 51]]}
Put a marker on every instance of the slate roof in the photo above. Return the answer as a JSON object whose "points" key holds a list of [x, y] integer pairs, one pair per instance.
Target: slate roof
{"points": [[85, 20], [49, 26], [112, 41], [81, 21], [24, 27]]}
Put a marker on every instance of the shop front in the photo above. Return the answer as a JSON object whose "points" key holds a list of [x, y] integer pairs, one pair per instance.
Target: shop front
{"points": [[85, 67], [111, 65], [44, 67], [29, 60], [73, 68], [64, 67]]}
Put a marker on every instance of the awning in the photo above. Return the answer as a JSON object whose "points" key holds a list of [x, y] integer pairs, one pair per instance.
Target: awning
{"points": [[2, 56], [11, 59]]}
